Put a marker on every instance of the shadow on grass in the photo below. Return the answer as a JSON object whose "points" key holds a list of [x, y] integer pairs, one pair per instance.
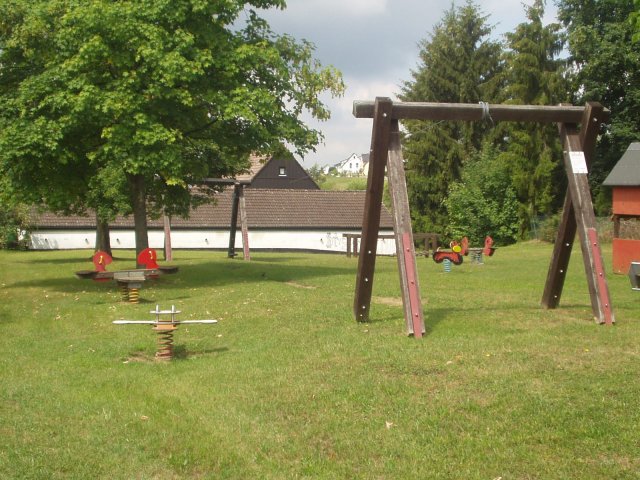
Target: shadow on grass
{"points": [[204, 274], [56, 261], [180, 352]]}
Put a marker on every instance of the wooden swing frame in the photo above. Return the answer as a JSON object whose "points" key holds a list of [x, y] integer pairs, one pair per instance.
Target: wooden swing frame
{"points": [[577, 215]]}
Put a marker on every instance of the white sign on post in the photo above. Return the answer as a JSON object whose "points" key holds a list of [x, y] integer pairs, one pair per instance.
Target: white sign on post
{"points": [[578, 162]]}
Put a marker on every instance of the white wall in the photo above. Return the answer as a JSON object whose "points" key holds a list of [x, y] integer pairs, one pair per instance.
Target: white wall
{"points": [[316, 240]]}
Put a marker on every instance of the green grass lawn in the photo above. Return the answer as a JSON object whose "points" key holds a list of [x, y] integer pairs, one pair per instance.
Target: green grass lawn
{"points": [[288, 385]]}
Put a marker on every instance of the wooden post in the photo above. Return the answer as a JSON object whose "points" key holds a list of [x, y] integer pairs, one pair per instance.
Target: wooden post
{"points": [[373, 204], [168, 253], [243, 224], [616, 226], [578, 215], [235, 201], [560, 256], [405, 249]]}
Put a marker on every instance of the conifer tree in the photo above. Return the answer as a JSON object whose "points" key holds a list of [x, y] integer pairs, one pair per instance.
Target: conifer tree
{"points": [[533, 75], [458, 64]]}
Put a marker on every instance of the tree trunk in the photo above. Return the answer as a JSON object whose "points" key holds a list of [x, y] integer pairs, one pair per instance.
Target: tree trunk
{"points": [[168, 253], [139, 204], [103, 238]]}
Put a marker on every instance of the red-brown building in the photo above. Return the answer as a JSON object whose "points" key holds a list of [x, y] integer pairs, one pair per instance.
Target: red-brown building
{"points": [[625, 181]]}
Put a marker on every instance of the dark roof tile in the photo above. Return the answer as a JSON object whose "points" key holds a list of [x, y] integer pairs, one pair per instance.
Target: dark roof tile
{"points": [[276, 208], [626, 173]]}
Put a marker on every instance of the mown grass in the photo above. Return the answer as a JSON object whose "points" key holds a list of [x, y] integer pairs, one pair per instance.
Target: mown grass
{"points": [[288, 385]]}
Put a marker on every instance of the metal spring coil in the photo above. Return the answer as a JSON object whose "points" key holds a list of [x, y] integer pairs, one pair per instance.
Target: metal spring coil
{"points": [[124, 292], [165, 345], [134, 295]]}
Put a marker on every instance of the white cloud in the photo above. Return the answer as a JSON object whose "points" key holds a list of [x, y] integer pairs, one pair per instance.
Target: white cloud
{"points": [[337, 8], [375, 45]]}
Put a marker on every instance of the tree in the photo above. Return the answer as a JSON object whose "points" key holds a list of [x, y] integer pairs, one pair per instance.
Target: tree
{"points": [[457, 64], [605, 67], [483, 202], [125, 104], [316, 172], [634, 19], [533, 75], [14, 219]]}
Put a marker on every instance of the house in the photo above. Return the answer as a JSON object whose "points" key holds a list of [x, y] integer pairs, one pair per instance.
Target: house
{"points": [[278, 219], [365, 164], [353, 165], [625, 181], [276, 172]]}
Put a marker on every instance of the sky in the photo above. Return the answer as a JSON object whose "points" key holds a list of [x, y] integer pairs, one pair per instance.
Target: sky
{"points": [[374, 43]]}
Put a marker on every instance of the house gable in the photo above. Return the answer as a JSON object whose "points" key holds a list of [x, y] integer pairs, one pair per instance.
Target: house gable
{"points": [[278, 172]]}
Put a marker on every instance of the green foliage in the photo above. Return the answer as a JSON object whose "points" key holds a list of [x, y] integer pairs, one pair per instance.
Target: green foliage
{"points": [[317, 174], [605, 67], [483, 202], [634, 19], [339, 182], [97, 96], [357, 184], [458, 63], [547, 230], [14, 219], [14, 227], [532, 154]]}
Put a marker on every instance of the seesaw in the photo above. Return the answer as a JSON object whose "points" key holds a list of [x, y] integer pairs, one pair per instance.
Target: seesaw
{"points": [[129, 281], [164, 329]]}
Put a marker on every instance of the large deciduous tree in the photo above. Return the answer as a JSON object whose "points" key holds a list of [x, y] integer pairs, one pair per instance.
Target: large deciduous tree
{"points": [[605, 67], [114, 104], [458, 63]]}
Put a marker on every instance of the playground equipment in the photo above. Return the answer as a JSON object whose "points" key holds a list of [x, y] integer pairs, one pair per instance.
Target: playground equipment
{"points": [[634, 275], [164, 329], [578, 214], [476, 252], [453, 256], [129, 281], [460, 250]]}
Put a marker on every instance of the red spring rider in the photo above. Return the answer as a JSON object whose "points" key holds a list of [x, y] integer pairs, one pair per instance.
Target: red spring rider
{"points": [[101, 260], [148, 258]]}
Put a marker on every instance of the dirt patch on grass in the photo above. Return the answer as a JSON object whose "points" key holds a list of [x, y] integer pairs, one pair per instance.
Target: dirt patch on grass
{"points": [[299, 285], [391, 301], [140, 357]]}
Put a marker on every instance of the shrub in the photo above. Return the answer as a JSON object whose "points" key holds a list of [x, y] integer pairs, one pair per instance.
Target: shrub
{"points": [[483, 203], [14, 228]]}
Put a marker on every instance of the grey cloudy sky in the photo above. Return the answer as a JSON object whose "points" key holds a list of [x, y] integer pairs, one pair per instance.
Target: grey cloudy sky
{"points": [[374, 43]]}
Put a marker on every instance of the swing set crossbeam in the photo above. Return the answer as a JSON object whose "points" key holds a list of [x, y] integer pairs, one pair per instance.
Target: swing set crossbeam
{"points": [[475, 112]]}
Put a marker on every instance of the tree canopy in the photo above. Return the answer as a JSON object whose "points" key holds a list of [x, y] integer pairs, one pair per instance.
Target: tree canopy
{"points": [[605, 67], [531, 152], [459, 63], [125, 104]]}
